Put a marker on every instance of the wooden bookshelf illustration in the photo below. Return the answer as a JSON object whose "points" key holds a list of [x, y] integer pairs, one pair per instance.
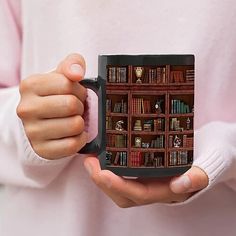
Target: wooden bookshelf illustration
{"points": [[149, 116]]}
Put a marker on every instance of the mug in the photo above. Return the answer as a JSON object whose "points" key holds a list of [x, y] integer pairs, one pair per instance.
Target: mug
{"points": [[145, 114]]}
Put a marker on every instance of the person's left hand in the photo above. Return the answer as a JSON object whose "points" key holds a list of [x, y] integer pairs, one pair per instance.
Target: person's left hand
{"points": [[142, 191]]}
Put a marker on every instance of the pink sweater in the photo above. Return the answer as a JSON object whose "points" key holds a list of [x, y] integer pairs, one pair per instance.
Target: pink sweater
{"points": [[46, 198]]}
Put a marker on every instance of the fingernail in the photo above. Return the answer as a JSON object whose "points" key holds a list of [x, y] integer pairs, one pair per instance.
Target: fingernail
{"points": [[77, 69], [88, 168], [181, 184], [106, 180]]}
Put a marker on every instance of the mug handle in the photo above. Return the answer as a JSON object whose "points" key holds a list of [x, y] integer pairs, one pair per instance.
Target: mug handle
{"points": [[98, 144]]}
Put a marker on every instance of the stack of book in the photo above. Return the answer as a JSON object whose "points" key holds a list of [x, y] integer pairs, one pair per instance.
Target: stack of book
{"points": [[108, 105], [174, 124], [121, 159], [147, 125], [155, 75], [138, 125], [141, 106], [179, 107], [178, 158], [177, 77], [136, 159], [190, 75], [187, 141], [158, 161], [116, 140], [117, 75], [120, 107], [158, 142], [159, 124], [108, 122]]}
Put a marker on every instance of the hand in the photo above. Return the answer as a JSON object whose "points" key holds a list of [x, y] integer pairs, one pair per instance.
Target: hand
{"points": [[129, 192], [51, 109]]}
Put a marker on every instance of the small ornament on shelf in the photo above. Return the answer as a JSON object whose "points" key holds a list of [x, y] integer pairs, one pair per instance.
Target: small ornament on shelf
{"points": [[139, 72], [119, 125], [108, 158], [138, 142], [177, 141], [138, 125], [188, 123], [157, 106], [145, 145]]}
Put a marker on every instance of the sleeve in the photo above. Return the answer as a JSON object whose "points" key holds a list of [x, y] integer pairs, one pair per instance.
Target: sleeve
{"points": [[19, 164], [216, 153]]}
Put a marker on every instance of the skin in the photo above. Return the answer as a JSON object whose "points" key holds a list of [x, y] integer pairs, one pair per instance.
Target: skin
{"points": [[51, 109]]}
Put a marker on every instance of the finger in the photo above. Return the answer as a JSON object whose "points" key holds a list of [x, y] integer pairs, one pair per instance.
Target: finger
{"points": [[193, 180], [57, 128], [73, 67], [59, 148], [55, 84], [141, 193], [94, 171], [55, 106]]}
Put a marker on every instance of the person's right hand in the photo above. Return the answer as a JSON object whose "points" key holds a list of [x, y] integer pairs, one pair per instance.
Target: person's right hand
{"points": [[51, 109]]}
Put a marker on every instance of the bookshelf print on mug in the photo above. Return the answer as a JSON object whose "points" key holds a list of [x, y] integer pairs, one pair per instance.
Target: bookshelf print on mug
{"points": [[149, 116]]}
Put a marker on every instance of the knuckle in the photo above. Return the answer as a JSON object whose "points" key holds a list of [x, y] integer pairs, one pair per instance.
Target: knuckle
{"points": [[31, 132], [72, 104], [72, 146], [22, 110], [66, 85], [29, 83], [77, 124]]}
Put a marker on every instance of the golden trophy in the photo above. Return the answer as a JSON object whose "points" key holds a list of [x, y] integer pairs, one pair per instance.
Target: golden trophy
{"points": [[138, 73]]}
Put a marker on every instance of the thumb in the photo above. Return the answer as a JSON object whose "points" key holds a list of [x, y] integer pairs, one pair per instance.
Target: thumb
{"points": [[73, 67], [193, 180]]}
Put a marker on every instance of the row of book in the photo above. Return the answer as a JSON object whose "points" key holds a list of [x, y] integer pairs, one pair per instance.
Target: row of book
{"points": [[117, 75], [157, 75], [179, 107], [116, 140], [147, 159], [138, 159], [179, 158], [153, 75], [120, 158], [179, 77], [140, 106], [151, 159], [190, 75], [108, 123], [154, 125], [119, 107], [186, 124], [158, 142]]}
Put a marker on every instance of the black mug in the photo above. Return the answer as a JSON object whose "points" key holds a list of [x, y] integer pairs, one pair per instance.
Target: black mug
{"points": [[145, 114]]}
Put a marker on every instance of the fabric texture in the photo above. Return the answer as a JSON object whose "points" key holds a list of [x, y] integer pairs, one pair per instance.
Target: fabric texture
{"points": [[57, 197]]}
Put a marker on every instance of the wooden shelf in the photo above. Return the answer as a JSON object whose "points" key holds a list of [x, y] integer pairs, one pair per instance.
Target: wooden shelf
{"points": [[115, 84], [181, 149], [181, 115], [181, 132], [133, 149], [148, 132], [116, 114], [149, 115], [117, 149], [109, 131]]}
